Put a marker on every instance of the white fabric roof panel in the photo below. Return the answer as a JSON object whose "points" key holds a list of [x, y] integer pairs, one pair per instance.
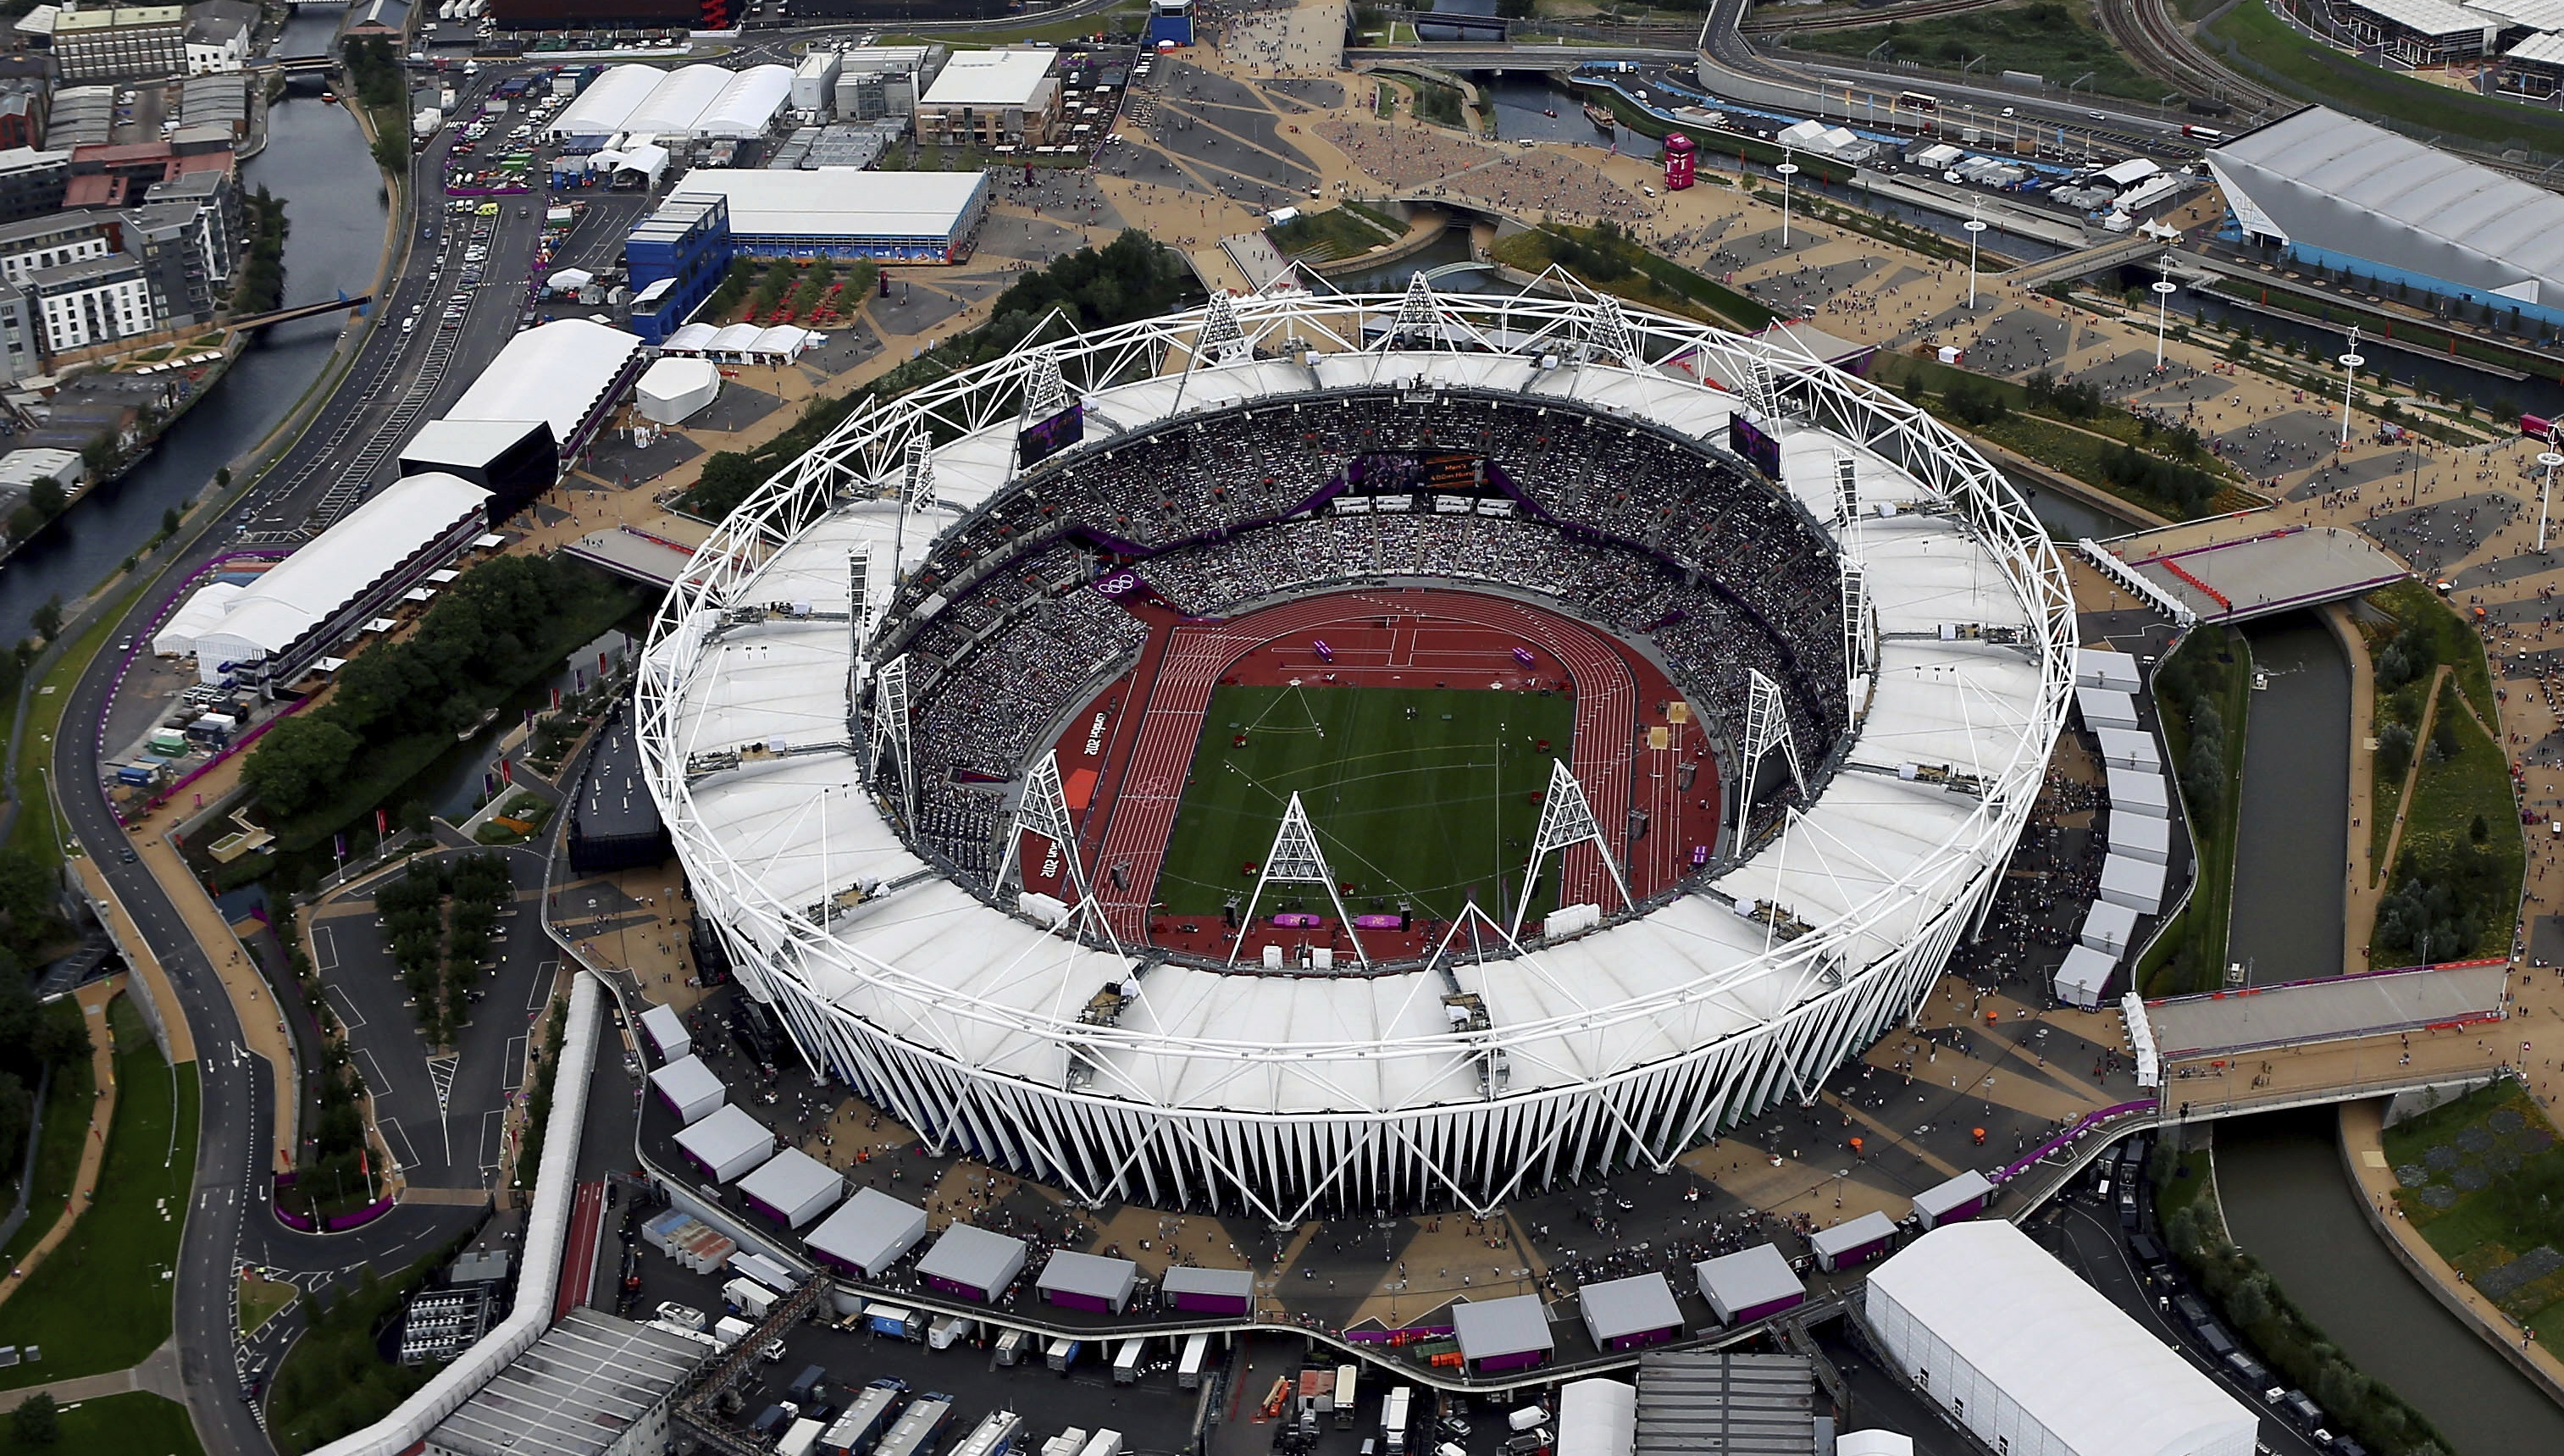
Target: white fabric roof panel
{"points": [[839, 201], [559, 374], [970, 1255], [2543, 49], [336, 566], [602, 109], [691, 1086], [795, 1185], [1637, 1305], [176, 637], [870, 1231], [1494, 1329], [729, 1143], [2034, 1334], [2428, 17], [673, 389], [2084, 976], [992, 79], [1596, 1418], [1748, 1279], [2337, 182], [746, 107], [681, 97]]}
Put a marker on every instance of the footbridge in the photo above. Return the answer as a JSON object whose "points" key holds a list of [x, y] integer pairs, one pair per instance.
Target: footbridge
{"points": [[348, 303], [1468, 56], [2332, 1039]]}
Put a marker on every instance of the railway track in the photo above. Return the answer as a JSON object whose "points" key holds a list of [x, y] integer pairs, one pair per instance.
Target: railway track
{"points": [[2145, 30], [1775, 21]]}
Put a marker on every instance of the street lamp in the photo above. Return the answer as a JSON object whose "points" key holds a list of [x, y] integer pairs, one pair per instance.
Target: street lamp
{"points": [[1975, 226], [2350, 362], [2546, 462], [2164, 290], [1785, 173]]}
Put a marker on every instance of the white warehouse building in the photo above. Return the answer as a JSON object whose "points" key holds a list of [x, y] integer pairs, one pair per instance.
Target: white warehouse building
{"points": [[268, 632], [2036, 1362], [689, 102]]}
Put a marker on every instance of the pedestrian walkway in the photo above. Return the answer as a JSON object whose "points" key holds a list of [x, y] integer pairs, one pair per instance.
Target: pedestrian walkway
{"points": [[158, 1375], [92, 999]]}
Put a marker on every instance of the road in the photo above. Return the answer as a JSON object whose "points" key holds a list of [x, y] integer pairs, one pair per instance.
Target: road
{"points": [[398, 378]]}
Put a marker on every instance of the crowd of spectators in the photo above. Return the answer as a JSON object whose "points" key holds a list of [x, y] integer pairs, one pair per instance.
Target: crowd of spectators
{"points": [[1436, 161], [1628, 526]]}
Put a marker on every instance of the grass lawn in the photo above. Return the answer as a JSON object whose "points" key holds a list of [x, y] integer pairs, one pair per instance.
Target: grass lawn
{"points": [[2078, 454], [137, 1423], [2503, 1233], [1416, 795], [2315, 72], [2042, 38], [1338, 232], [2190, 954], [260, 1299], [58, 1145], [100, 1300], [2413, 604]]}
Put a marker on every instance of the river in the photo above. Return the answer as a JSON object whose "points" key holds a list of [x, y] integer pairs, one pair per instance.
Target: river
{"points": [[2289, 1202], [313, 160]]}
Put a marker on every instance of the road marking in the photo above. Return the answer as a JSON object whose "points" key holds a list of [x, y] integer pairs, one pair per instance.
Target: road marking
{"points": [[325, 949], [494, 1132], [515, 1066], [440, 1072], [541, 990], [379, 1085], [391, 1127], [345, 1006]]}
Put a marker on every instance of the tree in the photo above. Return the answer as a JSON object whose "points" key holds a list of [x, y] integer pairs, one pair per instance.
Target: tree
{"points": [[36, 1422], [47, 495], [48, 618], [298, 761]]}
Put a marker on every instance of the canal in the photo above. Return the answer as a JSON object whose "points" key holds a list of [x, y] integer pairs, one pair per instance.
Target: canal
{"points": [[2289, 1202], [2292, 807], [336, 208]]}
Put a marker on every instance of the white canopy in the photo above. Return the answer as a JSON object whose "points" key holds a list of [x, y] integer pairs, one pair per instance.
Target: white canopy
{"points": [[177, 636], [673, 389]]}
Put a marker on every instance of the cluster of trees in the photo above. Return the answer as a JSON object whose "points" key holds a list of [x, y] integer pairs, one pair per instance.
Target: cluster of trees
{"points": [[44, 500], [2291, 1342], [1603, 253], [538, 1102], [373, 70], [1975, 404], [259, 284], [31, 917], [336, 1379], [1132, 276], [482, 638], [440, 919], [2190, 684], [2070, 401], [33, 1038], [2440, 906], [1437, 104], [2186, 487]]}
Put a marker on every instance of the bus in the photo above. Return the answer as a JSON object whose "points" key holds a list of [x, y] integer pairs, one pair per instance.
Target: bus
{"points": [[994, 1435], [1915, 100], [1345, 1397], [2203, 133]]}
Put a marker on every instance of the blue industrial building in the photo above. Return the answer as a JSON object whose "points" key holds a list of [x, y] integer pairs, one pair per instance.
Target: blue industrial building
{"points": [[1170, 20], [2330, 192], [677, 257]]}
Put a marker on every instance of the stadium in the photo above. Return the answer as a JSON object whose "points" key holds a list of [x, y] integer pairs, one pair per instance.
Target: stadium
{"points": [[1327, 754]]}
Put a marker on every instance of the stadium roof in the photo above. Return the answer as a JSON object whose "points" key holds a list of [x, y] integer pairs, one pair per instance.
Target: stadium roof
{"points": [[2012, 1313], [2332, 181], [839, 201], [991, 79], [559, 374], [335, 568], [1865, 837]]}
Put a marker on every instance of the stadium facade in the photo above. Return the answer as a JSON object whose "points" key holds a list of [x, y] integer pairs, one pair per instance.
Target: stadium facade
{"points": [[2333, 192], [786, 711]]}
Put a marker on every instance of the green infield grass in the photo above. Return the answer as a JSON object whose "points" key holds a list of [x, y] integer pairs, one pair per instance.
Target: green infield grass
{"points": [[1418, 795]]}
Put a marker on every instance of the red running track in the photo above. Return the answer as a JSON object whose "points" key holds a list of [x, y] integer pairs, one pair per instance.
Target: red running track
{"points": [[1386, 638], [579, 1252]]}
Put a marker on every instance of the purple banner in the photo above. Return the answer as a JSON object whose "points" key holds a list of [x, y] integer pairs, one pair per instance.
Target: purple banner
{"points": [[340, 1223], [1296, 920], [1409, 1335], [2082, 1124], [1377, 922]]}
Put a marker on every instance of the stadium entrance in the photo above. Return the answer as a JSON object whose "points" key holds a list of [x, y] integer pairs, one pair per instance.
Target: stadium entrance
{"points": [[1418, 730]]}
